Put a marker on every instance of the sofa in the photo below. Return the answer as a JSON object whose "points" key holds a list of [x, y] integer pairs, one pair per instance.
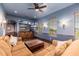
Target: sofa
{"points": [[73, 49], [20, 49], [7, 50], [68, 49], [49, 51]]}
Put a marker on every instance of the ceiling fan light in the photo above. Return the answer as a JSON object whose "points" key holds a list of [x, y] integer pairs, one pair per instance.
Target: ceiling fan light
{"points": [[36, 9]]}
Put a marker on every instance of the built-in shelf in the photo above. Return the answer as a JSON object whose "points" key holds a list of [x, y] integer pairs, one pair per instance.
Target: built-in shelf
{"points": [[24, 27]]}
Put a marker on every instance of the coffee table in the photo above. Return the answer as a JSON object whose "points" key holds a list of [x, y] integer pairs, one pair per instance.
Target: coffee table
{"points": [[34, 44]]}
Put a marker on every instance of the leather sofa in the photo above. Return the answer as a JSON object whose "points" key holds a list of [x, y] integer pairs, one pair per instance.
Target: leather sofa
{"points": [[72, 50], [21, 50], [7, 50], [49, 51]]}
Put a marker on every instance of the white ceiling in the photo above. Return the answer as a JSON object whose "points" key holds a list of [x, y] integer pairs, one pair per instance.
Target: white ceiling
{"points": [[21, 9]]}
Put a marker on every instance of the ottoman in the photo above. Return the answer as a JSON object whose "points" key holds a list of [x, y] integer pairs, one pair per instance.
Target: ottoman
{"points": [[34, 44]]}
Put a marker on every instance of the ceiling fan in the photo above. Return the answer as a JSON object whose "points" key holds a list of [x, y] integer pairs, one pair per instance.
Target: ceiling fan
{"points": [[38, 7]]}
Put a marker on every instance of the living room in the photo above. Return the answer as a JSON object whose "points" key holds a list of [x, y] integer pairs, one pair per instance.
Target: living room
{"points": [[39, 29]]}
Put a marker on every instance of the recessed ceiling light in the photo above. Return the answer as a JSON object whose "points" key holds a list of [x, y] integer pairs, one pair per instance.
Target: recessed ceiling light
{"points": [[29, 22], [19, 20], [15, 11]]}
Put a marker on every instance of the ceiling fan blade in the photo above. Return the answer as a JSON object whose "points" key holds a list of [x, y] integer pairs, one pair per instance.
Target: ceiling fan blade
{"points": [[35, 4], [42, 6], [40, 10], [31, 8]]}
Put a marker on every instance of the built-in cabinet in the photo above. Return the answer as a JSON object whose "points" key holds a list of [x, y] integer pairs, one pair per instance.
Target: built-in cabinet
{"points": [[24, 27], [26, 35], [25, 31]]}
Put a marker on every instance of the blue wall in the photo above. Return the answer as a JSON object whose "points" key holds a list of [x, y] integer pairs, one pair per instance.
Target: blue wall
{"points": [[66, 14]]}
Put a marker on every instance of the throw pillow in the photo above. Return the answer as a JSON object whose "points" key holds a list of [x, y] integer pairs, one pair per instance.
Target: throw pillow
{"points": [[13, 40], [60, 49]]}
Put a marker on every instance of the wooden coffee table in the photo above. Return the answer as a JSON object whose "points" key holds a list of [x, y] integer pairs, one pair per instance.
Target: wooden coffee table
{"points": [[34, 44]]}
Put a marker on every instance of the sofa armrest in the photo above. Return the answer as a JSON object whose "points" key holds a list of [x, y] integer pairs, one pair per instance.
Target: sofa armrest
{"points": [[73, 49]]}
